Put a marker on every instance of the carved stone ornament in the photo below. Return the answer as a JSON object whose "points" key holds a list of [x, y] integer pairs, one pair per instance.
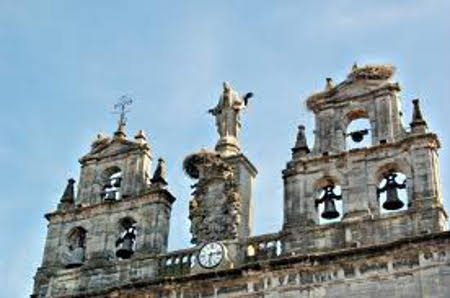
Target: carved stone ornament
{"points": [[214, 210]]}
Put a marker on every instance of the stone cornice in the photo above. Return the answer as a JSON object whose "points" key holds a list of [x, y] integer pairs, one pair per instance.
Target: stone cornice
{"points": [[247, 163], [161, 196], [329, 98], [128, 147], [410, 244], [412, 141]]}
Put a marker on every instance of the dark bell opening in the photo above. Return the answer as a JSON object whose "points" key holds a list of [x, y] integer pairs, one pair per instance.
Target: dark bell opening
{"points": [[73, 265]]}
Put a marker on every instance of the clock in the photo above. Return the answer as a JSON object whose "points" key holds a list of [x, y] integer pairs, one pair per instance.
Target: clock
{"points": [[210, 255]]}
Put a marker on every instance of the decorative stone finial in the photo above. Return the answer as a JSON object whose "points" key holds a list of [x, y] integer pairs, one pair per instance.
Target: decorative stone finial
{"points": [[140, 136], [68, 198], [418, 123], [329, 85], [100, 139], [227, 114], [160, 174], [301, 147]]}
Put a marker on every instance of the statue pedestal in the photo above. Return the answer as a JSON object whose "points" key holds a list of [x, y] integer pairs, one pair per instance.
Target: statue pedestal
{"points": [[227, 146]]}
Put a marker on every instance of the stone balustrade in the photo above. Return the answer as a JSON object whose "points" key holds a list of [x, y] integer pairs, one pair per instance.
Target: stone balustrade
{"points": [[264, 247], [178, 262]]}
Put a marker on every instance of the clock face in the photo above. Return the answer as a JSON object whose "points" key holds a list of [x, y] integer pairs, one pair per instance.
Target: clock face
{"points": [[210, 255]]}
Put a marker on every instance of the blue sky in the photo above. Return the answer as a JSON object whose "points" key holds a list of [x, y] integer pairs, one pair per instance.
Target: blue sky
{"points": [[63, 64]]}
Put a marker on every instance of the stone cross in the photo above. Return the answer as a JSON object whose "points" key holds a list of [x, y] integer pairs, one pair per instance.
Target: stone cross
{"points": [[121, 108]]}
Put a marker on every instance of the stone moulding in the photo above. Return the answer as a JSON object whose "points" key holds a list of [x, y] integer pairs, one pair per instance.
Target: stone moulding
{"points": [[431, 140], [327, 99], [84, 212]]}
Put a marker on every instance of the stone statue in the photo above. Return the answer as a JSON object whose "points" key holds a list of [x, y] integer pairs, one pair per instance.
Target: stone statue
{"points": [[227, 113]]}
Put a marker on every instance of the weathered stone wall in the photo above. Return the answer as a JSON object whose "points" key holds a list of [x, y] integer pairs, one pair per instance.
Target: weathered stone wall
{"points": [[245, 174], [151, 212], [358, 173], [415, 267]]}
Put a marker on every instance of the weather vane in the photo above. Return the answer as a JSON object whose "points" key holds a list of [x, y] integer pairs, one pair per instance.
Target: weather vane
{"points": [[121, 108]]}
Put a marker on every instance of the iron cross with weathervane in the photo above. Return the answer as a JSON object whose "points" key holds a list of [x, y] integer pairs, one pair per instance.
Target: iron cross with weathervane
{"points": [[121, 108]]}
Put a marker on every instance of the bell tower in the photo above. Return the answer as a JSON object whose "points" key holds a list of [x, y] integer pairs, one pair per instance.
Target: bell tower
{"points": [[339, 193], [119, 213]]}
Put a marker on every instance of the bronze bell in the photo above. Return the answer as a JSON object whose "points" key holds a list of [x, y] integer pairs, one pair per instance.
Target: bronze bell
{"points": [[117, 182], [392, 201], [126, 249], [358, 136], [329, 211]]}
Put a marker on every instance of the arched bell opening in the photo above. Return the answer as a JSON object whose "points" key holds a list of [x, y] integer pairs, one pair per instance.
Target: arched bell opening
{"points": [[358, 134], [392, 192], [112, 184], [126, 243], [328, 203], [76, 246]]}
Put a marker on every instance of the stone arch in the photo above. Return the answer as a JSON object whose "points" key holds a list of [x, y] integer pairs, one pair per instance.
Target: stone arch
{"points": [[360, 119], [324, 181], [397, 165], [75, 249], [126, 241], [76, 237], [403, 173], [111, 180], [108, 172]]}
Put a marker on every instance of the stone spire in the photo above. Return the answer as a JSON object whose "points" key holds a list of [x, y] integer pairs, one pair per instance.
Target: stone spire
{"points": [[301, 147], [418, 123], [68, 198], [160, 174]]}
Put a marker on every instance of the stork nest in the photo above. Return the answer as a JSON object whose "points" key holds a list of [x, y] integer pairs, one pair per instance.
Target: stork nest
{"points": [[193, 161], [373, 72]]}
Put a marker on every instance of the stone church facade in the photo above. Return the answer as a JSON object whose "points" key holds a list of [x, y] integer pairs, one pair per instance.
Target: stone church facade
{"points": [[363, 221]]}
